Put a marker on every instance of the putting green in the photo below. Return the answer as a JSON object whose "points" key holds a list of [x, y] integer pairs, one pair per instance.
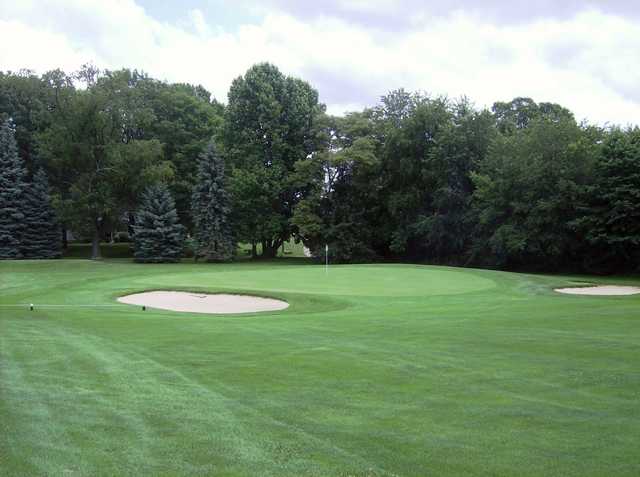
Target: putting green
{"points": [[338, 280]]}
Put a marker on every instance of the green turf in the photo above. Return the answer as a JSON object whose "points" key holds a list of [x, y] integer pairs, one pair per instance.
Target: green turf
{"points": [[372, 370]]}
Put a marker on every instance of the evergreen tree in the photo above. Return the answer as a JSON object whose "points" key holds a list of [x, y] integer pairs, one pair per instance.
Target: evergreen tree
{"points": [[12, 173], [211, 208], [41, 237], [158, 236]]}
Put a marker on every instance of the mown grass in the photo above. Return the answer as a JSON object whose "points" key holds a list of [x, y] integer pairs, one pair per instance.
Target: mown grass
{"points": [[372, 370]]}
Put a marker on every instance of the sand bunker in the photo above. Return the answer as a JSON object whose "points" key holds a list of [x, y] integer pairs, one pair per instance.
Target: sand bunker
{"points": [[601, 290], [203, 302]]}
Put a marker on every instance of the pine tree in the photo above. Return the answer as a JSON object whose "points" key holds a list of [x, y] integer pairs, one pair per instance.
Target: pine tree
{"points": [[211, 208], [41, 237], [12, 173], [158, 236]]}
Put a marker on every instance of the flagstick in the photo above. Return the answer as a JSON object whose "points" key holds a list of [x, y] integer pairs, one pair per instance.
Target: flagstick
{"points": [[326, 258]]}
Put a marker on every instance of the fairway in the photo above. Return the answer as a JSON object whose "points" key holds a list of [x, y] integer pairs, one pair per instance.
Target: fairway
{"points": [[373, 370]]}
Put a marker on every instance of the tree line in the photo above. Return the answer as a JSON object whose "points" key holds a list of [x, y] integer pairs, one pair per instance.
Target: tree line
{"points": [[522, 185]]}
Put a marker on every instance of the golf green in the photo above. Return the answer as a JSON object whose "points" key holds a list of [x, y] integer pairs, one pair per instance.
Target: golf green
{"points": [[372, 370]]}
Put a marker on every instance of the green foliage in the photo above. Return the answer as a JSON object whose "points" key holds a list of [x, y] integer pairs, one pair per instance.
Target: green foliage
{"points": [[339, 210], [158, 235], [12, 201], [394, 181], [96, 144], [211, 209], [609, 216], [255, 192], [269, 126], [41, 237], [526, 192], [134, 166], [25, 99], [427, 159], [519, 112], [414, 178], [185, 121]]}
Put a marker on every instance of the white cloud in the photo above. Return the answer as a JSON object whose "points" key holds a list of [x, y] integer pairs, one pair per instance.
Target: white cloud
{"points": [[200, 23], [42, 50], [585, 62]]}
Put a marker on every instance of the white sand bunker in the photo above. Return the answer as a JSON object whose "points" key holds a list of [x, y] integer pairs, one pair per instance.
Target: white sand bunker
{"points": [[203, 302], [601, 290]]}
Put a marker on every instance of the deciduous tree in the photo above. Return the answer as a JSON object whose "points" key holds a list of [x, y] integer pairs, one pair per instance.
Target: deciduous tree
{"points": [[269, 126]]}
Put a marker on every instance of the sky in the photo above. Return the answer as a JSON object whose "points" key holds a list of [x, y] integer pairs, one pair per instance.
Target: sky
{"points": [[581, 54]]}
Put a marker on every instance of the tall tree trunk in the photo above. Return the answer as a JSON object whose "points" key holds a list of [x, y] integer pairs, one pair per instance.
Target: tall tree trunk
{"points": [[270, 248], [95, 243], [65, 241], [275, 246], [130, 224], [254, 249]]}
